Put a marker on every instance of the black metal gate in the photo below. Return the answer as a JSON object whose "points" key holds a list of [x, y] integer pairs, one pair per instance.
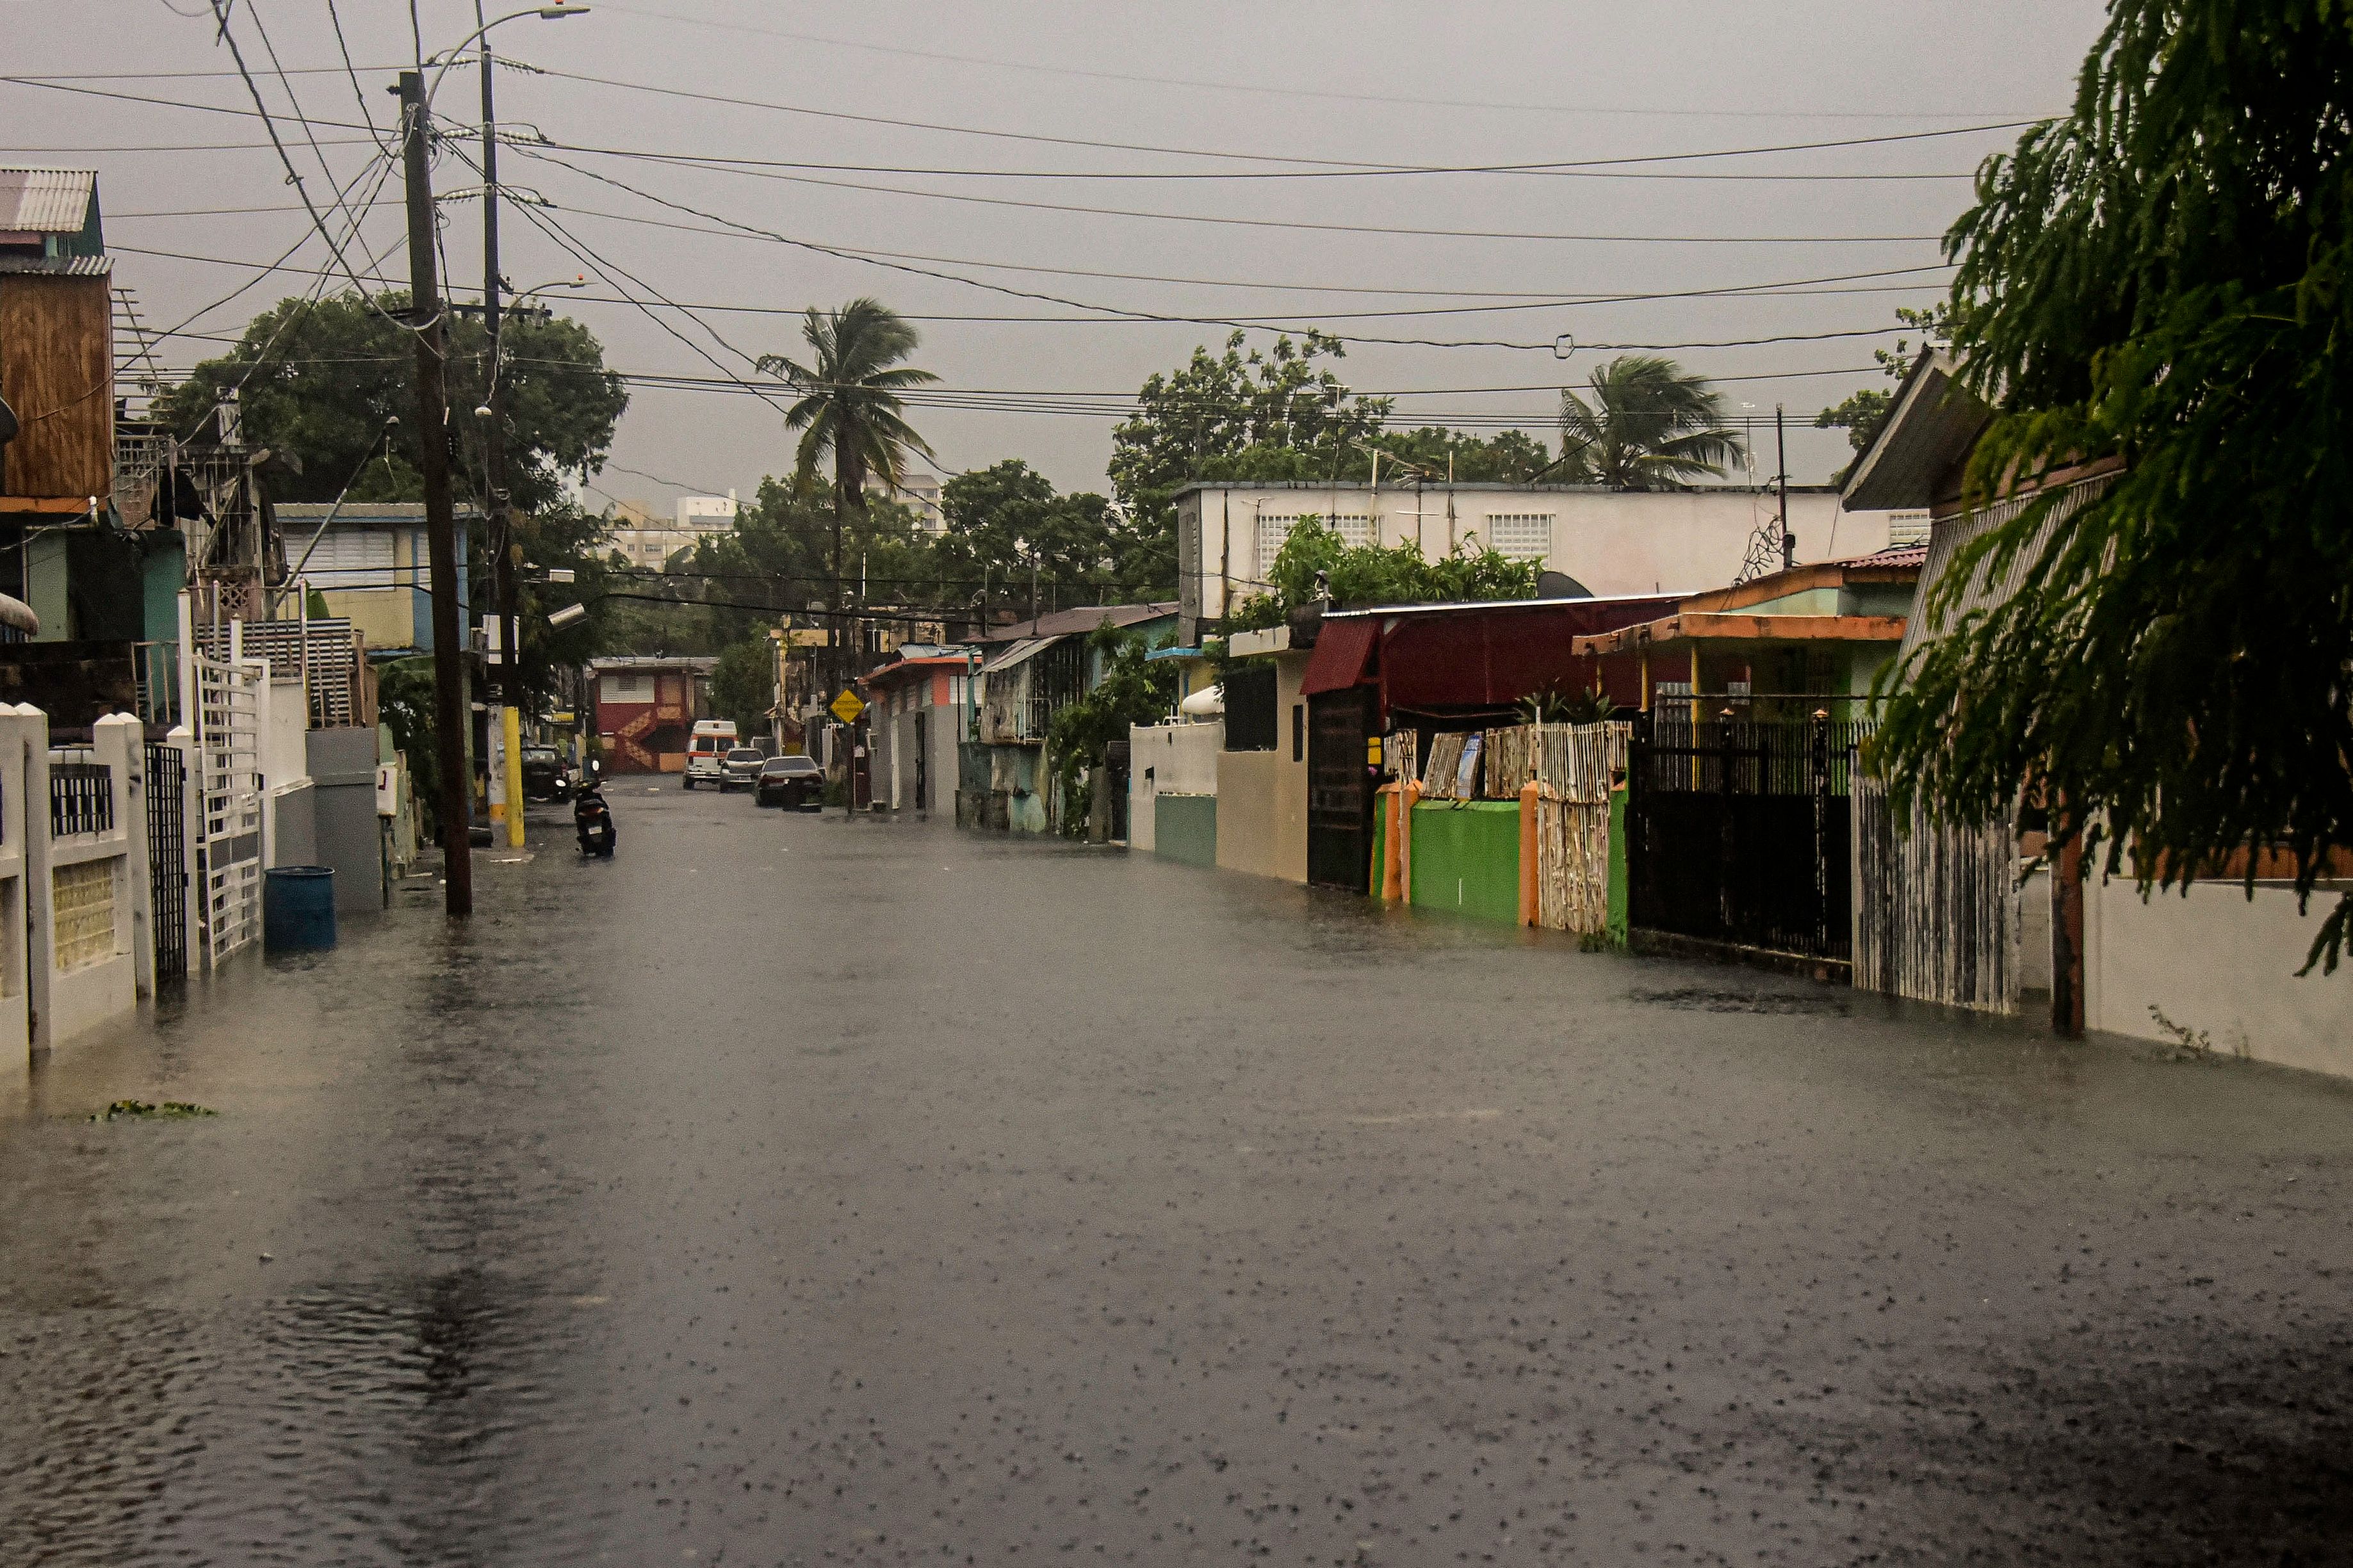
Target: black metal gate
{"points": [[1341, 781], [167, 865], [1739, 832]]}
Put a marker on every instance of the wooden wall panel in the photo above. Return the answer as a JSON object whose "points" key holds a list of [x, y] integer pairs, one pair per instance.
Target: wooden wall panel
{"points": [[57, 370]]}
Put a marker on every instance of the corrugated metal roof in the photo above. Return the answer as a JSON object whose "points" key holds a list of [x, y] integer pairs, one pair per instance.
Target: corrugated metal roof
{"points": [[1014, 655], [1948, 536], [57, 266], [46, 201], [1935, 423], [1085, 618]]}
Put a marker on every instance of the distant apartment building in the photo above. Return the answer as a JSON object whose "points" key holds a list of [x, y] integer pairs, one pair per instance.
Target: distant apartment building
{"points": [[644, 537], [919, 493]]}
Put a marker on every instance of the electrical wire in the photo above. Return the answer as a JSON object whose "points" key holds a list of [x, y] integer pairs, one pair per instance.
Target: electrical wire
{"points": [[1288, 91]]}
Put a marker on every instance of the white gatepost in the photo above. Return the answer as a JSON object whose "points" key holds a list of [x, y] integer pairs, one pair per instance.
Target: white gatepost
{"points": [[120, 741], [24, 734], [83, 972]]}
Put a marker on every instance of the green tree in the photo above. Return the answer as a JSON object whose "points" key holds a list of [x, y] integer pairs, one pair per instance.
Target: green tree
{"points": [[1648, 427], [743, 683], [319, 379], [1007, 527], [850, 408], [1134, 691], [2162, 276], [1861, 414], [1316, 562], [1508, 457], [1276, 414]]}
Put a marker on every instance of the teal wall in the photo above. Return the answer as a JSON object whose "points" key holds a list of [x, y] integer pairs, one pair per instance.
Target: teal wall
{"points": [[162, 576], [1466, 858], [1185, 829]]}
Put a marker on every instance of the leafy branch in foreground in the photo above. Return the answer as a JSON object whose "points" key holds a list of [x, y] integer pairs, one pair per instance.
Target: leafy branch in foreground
{"points": [[2165, 278]]}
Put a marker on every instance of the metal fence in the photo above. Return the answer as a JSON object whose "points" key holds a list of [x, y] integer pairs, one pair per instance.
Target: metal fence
{"points": [[1739, 832], [81, 794], [167, 873]]}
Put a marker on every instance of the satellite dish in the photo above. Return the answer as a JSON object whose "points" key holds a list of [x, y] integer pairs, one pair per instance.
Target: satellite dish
{"points": [[1560, 585]]}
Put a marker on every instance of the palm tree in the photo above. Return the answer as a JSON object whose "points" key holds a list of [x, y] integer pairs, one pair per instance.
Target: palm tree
{"points": [[850, 405], [1649, 426]]}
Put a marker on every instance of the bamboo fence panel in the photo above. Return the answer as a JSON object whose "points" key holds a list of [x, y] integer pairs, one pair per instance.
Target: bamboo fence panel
{"points": [[1936, 912], [1400, 758], [1572, 864], [1445, 759]]}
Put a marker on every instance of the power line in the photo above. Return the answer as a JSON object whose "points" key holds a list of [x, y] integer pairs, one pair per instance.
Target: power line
{"points": [[1290, 91], [1164, 149], [1749, 291], [537, 149], [1725, 289]]}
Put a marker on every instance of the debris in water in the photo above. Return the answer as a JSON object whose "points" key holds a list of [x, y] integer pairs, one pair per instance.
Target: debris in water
{"points": [[170, 1110]]}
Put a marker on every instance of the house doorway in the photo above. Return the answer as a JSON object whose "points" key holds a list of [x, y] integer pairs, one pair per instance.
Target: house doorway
{"points": [[1341, 781]]}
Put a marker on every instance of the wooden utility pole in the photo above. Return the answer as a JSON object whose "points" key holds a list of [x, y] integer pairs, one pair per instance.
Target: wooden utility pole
{"points": [[440, 520]]}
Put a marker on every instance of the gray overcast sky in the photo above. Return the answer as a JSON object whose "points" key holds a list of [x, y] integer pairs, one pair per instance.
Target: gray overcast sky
{"points": [[1380, 83]]}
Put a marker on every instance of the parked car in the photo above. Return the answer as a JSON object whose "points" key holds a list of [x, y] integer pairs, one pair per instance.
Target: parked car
{"points": [[544, 776], [795, 782], [741, 768]]}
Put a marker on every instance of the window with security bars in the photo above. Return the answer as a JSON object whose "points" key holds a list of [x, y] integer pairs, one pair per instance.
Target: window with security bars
{"points": [[1520, 535], [351, 558], [1355, 528]]}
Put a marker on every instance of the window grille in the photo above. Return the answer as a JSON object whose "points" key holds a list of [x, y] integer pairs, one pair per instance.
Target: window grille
{"points": [[1355, 528], [1520, 535]]}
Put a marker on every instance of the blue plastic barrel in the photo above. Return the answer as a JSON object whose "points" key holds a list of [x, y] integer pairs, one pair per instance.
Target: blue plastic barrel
{"points": [[298, 908]]}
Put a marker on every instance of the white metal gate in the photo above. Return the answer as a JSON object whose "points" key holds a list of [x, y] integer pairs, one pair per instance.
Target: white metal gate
{"points": [[227, 713]]}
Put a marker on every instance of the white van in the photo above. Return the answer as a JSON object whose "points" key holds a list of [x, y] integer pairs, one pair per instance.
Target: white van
{"points": [[706, 755]]}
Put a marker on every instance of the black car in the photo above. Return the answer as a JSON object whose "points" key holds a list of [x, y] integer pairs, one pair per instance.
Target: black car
{"points": [[795, 782], [544, 774]]}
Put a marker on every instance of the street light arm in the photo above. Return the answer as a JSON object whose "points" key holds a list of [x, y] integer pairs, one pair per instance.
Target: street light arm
{"points": [[545, 12]]}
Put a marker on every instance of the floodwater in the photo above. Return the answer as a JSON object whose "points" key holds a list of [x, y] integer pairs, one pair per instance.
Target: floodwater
{"points": [[793, 1190]]}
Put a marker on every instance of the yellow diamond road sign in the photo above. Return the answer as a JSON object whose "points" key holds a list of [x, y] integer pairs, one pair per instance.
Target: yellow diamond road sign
{"points": [[847, 707]]}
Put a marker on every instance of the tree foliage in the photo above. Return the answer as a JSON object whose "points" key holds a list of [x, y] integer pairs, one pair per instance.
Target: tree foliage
{"points": [[1316, 562], [1647, 426], [1134, 691], [2165, 276], [1008, 529], [743, 683], [319, 377], [1260, 415]]}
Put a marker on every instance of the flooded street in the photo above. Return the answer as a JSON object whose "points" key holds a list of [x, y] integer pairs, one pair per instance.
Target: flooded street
{"points": [[792, 1190]]}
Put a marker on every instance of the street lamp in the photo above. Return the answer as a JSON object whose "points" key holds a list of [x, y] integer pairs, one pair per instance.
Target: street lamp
{"points": [[449, 57]]}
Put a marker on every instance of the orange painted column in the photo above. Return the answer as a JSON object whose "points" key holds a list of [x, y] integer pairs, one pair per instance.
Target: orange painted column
{"points": [[1409, 797], [1391, 832], [1528, 853]]}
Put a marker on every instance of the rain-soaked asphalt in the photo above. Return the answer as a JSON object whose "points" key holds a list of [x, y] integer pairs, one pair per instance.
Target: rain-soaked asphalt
{"points": [[799, 1191]]}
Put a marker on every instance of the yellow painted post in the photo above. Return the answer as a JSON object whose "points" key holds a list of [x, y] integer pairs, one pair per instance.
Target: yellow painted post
{"points": [[511, 732], [1528, 853]]}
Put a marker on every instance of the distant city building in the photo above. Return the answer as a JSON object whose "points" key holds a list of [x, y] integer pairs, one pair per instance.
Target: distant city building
{"points": [[645, 538], [919, 493]]}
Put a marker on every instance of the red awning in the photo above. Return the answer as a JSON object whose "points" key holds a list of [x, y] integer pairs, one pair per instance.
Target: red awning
{"points": [[1491, 656], [1343, 651]]}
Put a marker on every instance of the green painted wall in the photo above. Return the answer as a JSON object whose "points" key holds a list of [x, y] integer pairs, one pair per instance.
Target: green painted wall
{"points": [[162, 576], [1617, 921], [1185, 829], [44, 585], [1466, 858]]}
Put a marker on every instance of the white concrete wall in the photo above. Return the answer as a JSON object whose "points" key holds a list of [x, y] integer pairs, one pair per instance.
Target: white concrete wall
{"points": [[24, 734], [69, 1003], [1167, 759], [1614, 543], [2217, 963]]}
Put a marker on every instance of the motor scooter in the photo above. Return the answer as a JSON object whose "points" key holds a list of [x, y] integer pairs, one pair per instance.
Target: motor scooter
{"points": [[592, 819]]}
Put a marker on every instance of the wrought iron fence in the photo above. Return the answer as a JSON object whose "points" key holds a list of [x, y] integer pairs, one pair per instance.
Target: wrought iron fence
{"points": [[167, 828], [1740, 831]]}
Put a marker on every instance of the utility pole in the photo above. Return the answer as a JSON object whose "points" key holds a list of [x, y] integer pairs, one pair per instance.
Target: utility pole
{"points": [[501, 521], [440, 521], [1781, 462]]}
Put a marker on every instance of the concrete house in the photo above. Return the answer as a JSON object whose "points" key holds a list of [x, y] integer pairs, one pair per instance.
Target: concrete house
{"points": [[371, 563], [1029, 670], [919, 711], [1611, 542]]}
